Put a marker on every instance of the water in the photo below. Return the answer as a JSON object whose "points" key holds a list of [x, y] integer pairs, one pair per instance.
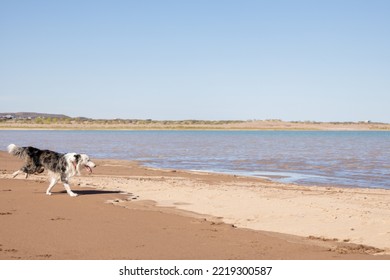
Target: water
{"points": [[347, 159]]}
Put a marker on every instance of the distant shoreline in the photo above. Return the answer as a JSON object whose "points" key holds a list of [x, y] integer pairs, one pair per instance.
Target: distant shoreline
{"points": [[266, 125]]}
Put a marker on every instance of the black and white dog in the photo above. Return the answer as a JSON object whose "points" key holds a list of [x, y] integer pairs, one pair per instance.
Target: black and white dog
{"points": [[59, 166]]}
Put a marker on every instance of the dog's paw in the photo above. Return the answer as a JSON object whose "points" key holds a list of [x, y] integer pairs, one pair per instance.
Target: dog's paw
{"points": [[73, 194], [48, 193]]}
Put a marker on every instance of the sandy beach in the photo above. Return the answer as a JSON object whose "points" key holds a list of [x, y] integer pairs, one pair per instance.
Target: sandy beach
{"points": [[127, 211]]}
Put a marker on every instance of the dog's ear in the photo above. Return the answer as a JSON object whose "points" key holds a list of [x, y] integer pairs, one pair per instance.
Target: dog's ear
{"points": [[77, 157]]}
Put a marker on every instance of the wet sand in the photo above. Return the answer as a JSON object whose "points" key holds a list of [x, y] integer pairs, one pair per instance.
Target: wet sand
{"points": [[126, 211]]}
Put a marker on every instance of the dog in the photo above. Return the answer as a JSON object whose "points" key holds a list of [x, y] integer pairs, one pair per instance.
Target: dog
{"points": [[59, 166]]}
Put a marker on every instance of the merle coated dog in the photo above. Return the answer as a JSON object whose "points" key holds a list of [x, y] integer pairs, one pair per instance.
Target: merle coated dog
{"points": [[59, 166]]}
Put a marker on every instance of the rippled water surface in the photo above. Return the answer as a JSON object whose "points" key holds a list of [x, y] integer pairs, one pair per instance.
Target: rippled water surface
{"points": [[353, 159]]}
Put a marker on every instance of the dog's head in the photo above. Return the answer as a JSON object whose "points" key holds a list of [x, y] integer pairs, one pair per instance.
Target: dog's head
{"points": [[79, 161], [85, 162]]}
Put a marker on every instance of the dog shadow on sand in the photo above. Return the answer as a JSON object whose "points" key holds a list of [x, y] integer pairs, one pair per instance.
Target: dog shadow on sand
{"points": [[92, 192]]}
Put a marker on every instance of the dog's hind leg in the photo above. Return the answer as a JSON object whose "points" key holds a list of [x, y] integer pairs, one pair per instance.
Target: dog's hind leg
{"points": [[53, 181], [28, 169], [16, 173]]}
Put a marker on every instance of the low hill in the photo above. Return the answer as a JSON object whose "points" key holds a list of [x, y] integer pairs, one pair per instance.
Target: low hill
{"points": [[31, 115]]}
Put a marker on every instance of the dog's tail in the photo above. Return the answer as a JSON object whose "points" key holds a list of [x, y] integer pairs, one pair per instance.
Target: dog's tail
{"points": [[19, 152]]}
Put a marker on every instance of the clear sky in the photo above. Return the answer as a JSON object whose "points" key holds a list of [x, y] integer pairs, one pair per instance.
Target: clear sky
{"points": [[197, 59]]}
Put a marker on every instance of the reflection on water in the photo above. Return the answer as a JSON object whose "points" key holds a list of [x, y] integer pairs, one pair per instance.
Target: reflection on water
{"points": [[354, 159]]}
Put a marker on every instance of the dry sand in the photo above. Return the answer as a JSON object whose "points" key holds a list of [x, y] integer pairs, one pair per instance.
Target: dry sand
{"points": [[126, 211]]}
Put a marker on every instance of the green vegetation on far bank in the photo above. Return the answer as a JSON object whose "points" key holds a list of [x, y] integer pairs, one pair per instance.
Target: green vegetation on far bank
{"points": [[67, 123]]}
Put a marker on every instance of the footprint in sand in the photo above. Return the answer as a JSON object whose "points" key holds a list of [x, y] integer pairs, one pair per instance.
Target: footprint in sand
{"points": [[45, 256], [58, 219], [5, 213], [10, 250]]}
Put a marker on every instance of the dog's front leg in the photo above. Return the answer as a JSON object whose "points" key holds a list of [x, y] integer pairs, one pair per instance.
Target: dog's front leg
{"points": [[53, 181], [67, 188]]}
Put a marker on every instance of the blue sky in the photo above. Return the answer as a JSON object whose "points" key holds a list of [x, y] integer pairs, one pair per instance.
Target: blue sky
{"points": [[197, 59]]}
